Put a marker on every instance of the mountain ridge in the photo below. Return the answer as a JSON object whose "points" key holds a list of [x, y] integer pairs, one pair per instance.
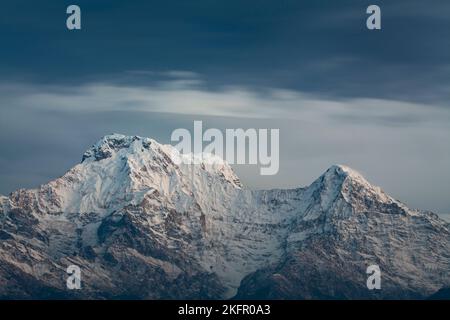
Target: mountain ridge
{"points": [[146, 226]]}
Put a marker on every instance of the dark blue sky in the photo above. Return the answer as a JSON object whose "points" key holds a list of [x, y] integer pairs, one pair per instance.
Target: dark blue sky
{"points": [[315, 46], [375, 100]]}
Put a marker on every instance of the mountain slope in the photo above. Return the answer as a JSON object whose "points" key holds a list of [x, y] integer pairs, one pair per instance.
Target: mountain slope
{"points": [[141, 226], [347, 226]]}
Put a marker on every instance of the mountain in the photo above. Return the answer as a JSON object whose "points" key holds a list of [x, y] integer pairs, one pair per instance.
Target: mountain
{"points": [[141, 226]]}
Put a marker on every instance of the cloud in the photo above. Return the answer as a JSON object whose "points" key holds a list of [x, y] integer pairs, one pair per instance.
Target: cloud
{"points": [[186, 93], [179, 74]]}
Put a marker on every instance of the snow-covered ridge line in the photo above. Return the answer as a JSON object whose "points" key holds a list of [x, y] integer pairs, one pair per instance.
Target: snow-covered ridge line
{"points": [[119, 165], [114, 142]]}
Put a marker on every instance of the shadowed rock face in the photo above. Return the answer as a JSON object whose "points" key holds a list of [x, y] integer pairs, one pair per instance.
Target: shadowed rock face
{"points": [[443, 294], [140, 226]]}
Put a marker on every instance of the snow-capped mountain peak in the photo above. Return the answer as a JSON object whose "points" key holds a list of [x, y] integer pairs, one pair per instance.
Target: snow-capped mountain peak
{"points": [[344, 171], [149, 149], [111, 144], [119, 170], [340, 182]]}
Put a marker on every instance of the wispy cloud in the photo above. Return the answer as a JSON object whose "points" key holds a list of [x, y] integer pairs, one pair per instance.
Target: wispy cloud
{"points": [[186, 93]]}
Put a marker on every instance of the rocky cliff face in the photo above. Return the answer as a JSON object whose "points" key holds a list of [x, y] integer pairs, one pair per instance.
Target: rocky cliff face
{"points": [[141, 226]]}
